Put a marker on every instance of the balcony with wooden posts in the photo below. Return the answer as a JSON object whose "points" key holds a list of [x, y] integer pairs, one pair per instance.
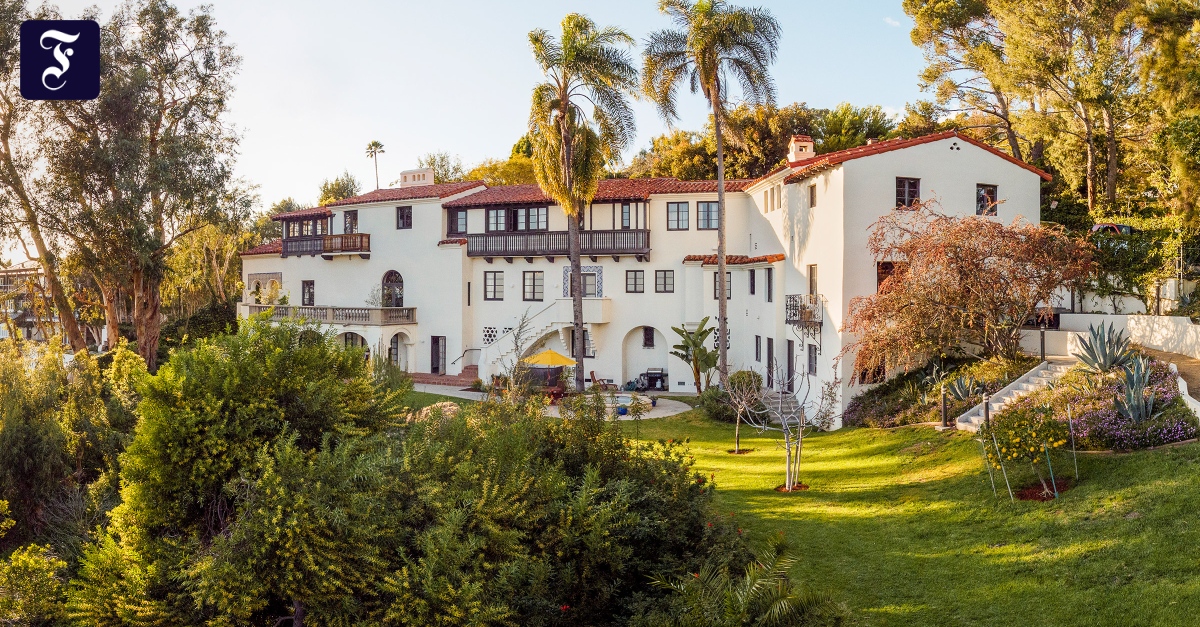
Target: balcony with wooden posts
{"points": [[550, 244], [329, 246], [370, 316]]}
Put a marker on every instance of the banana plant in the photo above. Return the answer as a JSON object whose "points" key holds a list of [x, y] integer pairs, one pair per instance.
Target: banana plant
{"points": [[1138, 403], [964, 388], [1104, 350]]}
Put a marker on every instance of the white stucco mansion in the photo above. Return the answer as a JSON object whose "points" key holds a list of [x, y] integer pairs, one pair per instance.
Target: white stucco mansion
{"points": [[435, 277]]}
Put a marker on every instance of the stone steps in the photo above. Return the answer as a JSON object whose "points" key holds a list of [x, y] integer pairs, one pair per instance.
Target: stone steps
{"points": [[1036, 379]]}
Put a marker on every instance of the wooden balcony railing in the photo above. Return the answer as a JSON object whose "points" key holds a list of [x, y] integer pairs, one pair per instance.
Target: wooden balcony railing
{"points": [[557, 243], [353, 243], [374, 316]]}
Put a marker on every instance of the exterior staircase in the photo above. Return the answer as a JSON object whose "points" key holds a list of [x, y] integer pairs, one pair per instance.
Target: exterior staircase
{"points": [[781, 405], [468, 376], [1037, 378]]}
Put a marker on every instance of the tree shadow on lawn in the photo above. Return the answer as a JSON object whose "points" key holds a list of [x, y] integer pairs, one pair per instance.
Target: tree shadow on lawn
{"points": [[1119, 549]]}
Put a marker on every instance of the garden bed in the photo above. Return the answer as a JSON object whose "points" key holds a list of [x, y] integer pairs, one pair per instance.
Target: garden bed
{"points": [[915, 397], [1097, 424]]}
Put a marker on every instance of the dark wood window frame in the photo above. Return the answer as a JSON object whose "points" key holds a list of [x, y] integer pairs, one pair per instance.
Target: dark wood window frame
{"points": [[647, 337], [493, 285], [534, 285], [708, 215], [678, 214], [728, 286], [908, 192], [664, 281], [635, 281], [308, 293], [456, 222], [769, 286], [985, 199], [752, 273], [403, 218], [350, 221]]}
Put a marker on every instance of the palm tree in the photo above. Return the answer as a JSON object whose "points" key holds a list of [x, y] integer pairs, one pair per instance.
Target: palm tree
{"points": [[714, 41], [374, 149], [570, 147]]}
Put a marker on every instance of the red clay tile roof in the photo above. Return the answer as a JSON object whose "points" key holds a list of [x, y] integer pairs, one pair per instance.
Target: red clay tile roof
{"points": [[808, 167], [461, 241], [734, 260], [314, 212], [440, 190], [610, 190], [273, 247]]}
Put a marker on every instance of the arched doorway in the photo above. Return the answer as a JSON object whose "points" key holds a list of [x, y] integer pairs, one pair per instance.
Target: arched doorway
{"points": [[256, 292], [393, 289], [398, 350], [644, 350], [354, 340]]}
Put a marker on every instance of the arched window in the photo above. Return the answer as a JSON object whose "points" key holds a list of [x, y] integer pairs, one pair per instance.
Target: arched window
{"points": [[393, 289]]}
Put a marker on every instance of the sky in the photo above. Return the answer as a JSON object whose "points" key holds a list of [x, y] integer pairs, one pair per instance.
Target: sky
{"points": [[319, 80]]}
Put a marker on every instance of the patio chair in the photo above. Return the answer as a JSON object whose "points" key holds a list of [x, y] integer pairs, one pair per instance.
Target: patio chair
{"points": [[601, 384]]}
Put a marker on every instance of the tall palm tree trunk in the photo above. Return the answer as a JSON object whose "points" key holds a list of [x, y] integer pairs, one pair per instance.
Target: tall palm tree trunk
{"points": [[573, 228], [722, 287]]}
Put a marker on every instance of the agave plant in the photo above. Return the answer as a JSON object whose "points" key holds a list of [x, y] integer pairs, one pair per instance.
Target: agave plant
{"points": [[1104, 350], [964, 388], [1138, 404], [935, 376], [913, 393]]}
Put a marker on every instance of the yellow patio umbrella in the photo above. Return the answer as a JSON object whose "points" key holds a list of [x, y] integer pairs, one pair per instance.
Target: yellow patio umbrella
{"points": [[549, 357]]}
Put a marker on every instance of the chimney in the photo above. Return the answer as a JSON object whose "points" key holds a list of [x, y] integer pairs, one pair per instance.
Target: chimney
{"points": [[871, 141], [800, 148], [413, 178]]}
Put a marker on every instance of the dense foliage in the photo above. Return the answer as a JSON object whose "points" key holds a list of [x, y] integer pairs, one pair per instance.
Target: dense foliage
{"points": [[274, 473]]}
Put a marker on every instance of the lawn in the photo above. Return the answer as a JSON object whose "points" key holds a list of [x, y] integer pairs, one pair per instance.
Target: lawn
{"points": [[902, 525]]}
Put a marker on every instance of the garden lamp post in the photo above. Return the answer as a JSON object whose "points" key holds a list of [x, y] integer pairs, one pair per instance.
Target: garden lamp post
{"points": [[987, 410], [1043, 340], [945, 420]]}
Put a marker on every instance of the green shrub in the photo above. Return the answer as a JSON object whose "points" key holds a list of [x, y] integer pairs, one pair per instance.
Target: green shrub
{"points": [[31, 587], [715, 402], [746, 378]]}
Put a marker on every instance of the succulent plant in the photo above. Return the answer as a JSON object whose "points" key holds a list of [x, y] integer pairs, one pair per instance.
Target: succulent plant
{"points": [[1104, 350], [935, 375], [964, 388], [1138, 403]]}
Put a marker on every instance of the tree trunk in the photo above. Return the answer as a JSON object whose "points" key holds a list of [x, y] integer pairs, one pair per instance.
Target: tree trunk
{"points": [[737, 434], [297, 613], [573, 227], [1090, 148], [108, 296], [147, 319], [1110, 136], [722, 286], [1011, 135]]}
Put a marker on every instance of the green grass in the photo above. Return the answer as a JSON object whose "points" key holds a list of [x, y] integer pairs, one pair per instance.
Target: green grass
{"points": [[419, 400], [902, 525]]}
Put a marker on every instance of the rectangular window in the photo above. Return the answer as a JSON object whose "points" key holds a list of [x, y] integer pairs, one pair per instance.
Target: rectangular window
{"points": [[717, 286], [293, 228], [812, 359], [350, 223], [496, 220], [537, 218], [403, 217], [519, 219], [706, 215], [758, 348], [908, 192], [647, 337], [308, 293], [677, 216], [306, 228], [769, 288], [812, 279], [635, 281], [664, 281], [590, 283], [321, 226], [985, 200], [752, 282], [812, 195], [535, 283], [493, 286], [456, 223], [626, 216]]}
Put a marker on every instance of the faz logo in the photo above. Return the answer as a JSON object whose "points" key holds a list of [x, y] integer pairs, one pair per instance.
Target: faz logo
{"points": [[60, 59]]}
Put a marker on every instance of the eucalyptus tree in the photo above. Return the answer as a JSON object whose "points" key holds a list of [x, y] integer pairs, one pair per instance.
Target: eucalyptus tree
{"points": [[586, 68], [713, 43], [374, 149], [150, 160]]}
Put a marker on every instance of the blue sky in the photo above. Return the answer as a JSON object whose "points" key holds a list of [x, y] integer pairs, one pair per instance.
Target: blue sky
{"points": [[321, 79]]}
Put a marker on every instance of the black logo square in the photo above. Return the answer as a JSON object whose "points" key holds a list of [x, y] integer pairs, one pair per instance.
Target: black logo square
{"points": [[60, 59]]}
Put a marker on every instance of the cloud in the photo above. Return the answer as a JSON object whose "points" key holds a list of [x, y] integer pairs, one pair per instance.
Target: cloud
{"points": [[890, 22]]}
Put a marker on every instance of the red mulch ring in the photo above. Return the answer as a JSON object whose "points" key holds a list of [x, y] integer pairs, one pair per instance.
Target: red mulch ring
{"points": [[1035, 492], [799, 487], [741, 452]]}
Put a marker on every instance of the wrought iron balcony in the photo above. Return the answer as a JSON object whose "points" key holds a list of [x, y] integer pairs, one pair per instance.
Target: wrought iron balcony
{"points": [[374, 316], [328, 245], [557, 243], [803, 310]]}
